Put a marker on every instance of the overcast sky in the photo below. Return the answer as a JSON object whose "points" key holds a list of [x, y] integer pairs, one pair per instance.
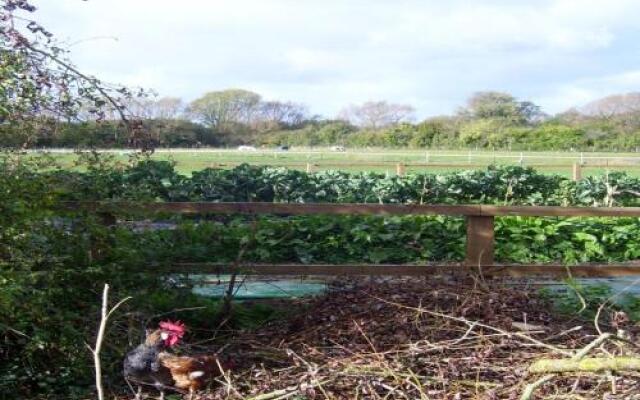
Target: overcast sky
{"points": [[330, 53]]}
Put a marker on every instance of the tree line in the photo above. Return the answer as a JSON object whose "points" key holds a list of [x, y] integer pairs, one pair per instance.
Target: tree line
{"points": [[232, 117], [45, 101]]}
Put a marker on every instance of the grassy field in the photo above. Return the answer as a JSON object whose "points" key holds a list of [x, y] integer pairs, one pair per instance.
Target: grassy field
{"points": [[385, 160]]}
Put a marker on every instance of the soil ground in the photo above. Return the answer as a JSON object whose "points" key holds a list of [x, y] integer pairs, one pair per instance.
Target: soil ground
{"points": [[420, 339]]}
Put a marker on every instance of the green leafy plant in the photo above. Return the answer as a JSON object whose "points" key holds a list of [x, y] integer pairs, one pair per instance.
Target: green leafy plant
{"points": [[145, 179]]}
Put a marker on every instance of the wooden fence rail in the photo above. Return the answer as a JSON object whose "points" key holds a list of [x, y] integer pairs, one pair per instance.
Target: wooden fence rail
{"points": [[480, 228], [477, 210], [519, 271]]}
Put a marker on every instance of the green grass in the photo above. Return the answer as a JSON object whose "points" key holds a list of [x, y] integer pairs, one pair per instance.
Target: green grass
{"points": [[549, 162]]}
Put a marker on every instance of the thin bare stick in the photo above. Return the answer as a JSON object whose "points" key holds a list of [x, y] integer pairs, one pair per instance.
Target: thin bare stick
{"points": [[586, 349], [479, 324], [227, 379], [530, 388], [17, 332], [96, 350], [225, 313], [105, 314], [92, 81]]}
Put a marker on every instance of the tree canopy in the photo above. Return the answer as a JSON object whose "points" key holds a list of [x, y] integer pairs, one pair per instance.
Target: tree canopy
{"points": [[220, 108], [377, 114], [502, 106], [40, 85]]}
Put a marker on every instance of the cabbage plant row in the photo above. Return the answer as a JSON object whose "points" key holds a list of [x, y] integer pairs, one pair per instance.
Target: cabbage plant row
{"points": [[159, 181]]}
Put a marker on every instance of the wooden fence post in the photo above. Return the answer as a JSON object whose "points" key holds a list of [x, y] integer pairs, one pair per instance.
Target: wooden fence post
{"points": [[480, 241], [400, 169], [577, 172]]}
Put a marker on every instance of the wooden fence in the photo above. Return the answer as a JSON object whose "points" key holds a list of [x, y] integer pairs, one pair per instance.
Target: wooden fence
{"points": [[480, 237]]}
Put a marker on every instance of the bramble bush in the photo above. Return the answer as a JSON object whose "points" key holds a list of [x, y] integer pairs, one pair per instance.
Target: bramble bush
{"points": [[52, 269]]}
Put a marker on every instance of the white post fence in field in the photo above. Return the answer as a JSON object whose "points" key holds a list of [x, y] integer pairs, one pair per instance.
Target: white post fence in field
{"points": [[323, 158]]}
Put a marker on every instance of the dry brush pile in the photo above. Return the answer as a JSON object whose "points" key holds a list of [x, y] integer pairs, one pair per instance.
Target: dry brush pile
{"points": [[435, 339]]}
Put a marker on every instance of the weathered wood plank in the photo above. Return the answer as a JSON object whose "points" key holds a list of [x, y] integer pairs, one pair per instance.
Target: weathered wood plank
{"points": [[480, 240], [354, 209], [510, 270], [556, 211], [277, 208]]}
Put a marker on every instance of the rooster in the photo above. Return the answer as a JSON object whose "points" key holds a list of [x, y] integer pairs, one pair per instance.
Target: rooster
{"points": [[192, 372], [142, 365]]}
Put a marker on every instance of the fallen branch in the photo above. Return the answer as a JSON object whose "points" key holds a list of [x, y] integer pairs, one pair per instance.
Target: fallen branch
{"points": [[577, 363], [593, 364]]}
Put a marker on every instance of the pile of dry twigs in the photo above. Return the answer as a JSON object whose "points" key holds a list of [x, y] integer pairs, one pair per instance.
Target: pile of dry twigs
{"points": [[431, 339]]}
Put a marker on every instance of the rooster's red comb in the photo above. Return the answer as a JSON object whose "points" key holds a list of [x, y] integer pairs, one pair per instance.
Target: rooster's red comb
{"points": [[176, 327]]}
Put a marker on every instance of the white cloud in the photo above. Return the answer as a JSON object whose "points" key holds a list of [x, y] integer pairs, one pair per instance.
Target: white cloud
{"points": [[622, 81], [567, 96], [329, 53], [305, 60], [583, 91]]}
